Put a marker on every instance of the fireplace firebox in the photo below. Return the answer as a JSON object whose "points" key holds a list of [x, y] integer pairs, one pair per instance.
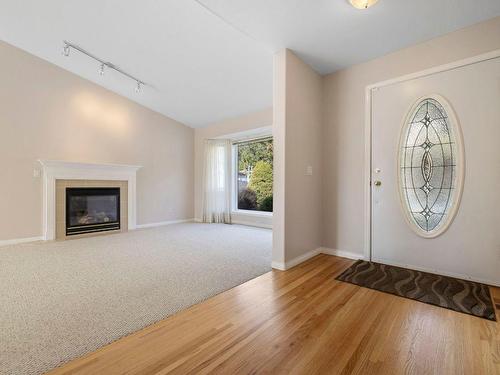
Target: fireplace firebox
{"points": [[90, 210]]}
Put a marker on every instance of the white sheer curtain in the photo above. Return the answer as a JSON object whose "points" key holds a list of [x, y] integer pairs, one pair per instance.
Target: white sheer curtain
{"points": [[217, 181]]}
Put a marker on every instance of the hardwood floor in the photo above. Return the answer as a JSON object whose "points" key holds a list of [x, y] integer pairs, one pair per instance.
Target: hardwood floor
{"points": [[302, 321]]}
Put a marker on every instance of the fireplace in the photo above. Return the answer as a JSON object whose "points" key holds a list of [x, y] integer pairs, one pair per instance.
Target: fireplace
{"points": [[92, 209]]}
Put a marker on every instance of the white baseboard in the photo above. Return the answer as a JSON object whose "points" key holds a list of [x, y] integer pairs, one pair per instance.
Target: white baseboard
{"points": [[139, 226], [312, 253], [295, 261], [278, 266], [162, 223], [342, 253], [20, 240], [242, 222], [301, 258]]}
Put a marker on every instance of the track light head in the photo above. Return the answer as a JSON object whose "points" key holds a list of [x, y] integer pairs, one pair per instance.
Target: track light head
{"points": [[138, 88], [101, 69], [66, 50]]}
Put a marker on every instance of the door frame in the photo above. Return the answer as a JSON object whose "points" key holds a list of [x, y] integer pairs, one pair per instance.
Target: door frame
{"points": [[368, 130]]}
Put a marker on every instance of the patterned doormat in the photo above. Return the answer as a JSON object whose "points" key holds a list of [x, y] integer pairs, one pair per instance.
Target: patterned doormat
{"points": [[460, 295]]}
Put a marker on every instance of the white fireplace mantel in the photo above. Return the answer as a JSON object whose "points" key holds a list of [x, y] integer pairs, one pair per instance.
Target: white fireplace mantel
{"points": [[63, 170]]}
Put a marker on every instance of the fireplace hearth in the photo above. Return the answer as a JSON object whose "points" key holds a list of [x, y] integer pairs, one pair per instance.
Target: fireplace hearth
{"points": [[90, 210]]}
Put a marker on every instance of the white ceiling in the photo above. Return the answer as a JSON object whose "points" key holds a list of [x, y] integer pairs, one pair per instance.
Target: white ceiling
{"points": [[201, 70], [331, 34], [211, 61]]}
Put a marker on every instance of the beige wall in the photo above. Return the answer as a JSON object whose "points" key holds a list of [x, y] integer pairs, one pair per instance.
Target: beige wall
{"points": [[49, 113], [225, 128], [298, 139], [344, 142]]}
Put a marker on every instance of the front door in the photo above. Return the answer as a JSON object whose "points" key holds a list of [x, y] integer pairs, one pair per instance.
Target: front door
{"points": [[436, 173]]}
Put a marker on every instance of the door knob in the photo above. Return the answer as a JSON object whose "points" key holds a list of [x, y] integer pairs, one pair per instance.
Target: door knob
{"points": [[377, 183]]}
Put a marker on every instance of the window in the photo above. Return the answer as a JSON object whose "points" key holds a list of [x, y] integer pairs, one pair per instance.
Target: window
{"points": [[254, 175], [429, 163]]}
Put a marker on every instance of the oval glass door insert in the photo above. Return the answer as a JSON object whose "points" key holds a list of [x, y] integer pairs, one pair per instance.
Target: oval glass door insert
{"points": [[430, 166]]}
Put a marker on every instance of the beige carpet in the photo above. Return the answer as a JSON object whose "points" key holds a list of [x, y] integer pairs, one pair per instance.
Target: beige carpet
{"points": [[61, 300]]}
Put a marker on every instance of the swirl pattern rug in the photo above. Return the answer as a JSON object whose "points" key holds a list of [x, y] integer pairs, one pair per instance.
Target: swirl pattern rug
{"points": [[460, 295]]}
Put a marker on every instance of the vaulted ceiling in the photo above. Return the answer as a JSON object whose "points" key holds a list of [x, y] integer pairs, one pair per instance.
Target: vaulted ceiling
{"points": [[209, 60]]}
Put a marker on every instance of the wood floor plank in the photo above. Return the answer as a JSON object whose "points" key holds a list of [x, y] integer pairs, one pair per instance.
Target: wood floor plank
{"points": [[303, 321]]}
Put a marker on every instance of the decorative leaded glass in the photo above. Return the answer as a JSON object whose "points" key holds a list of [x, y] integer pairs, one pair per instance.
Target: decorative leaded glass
{"points": [[428, 166]]}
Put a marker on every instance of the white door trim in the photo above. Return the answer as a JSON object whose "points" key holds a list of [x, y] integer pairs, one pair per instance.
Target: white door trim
{"points": [[368, 129]]}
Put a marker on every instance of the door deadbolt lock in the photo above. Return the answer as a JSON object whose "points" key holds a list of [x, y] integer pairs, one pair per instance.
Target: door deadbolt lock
{"points": [[377, 183]]}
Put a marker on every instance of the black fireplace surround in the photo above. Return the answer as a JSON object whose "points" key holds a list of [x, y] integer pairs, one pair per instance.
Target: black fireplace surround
{"points": [[90, 210]]}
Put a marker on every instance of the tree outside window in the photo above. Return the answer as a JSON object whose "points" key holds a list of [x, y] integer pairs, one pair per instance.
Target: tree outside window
{"points": [[255, 175]]}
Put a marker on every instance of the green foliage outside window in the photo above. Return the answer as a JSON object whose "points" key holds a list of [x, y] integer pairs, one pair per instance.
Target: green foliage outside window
{"points": [[250, 153], [255, 176], [261, 181]]}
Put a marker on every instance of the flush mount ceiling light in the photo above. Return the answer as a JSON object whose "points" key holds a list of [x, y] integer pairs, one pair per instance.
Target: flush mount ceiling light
{"points": [[103, 64], [362, 4]]}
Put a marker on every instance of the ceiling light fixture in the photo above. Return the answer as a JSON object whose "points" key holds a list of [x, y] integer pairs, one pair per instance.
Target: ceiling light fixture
{"points": [[362, 4], [103, 64]]}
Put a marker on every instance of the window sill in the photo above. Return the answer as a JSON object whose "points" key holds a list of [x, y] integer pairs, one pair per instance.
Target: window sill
{"points": [[252, 213]]}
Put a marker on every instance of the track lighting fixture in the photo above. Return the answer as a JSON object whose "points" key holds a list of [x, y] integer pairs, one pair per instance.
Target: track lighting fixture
{"points": [[103, 64]]}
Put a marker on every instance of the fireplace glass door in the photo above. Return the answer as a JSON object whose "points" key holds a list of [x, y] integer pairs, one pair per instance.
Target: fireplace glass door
{"points": [[91, 210]]}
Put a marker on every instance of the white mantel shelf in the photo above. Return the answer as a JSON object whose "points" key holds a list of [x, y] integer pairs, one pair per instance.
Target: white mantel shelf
{"points": [[64, 170]]}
